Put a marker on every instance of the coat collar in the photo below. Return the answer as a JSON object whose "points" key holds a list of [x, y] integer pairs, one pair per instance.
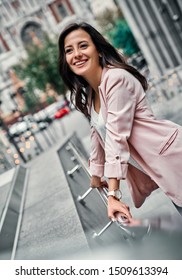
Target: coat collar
{"points": [[103, 74], [89, 90], [89, 102]]}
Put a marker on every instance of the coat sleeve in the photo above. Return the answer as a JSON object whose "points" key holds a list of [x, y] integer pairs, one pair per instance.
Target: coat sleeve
{"points": [[121, 103], [97, 155]]}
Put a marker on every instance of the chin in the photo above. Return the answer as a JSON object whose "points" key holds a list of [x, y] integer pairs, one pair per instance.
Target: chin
{"points": [[81, 72]]}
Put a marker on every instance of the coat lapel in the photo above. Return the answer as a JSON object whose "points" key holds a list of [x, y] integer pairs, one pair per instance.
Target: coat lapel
{"points": [[89, 101]]}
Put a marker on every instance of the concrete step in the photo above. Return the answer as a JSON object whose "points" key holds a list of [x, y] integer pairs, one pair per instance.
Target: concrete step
{"points": [[13, 193]]}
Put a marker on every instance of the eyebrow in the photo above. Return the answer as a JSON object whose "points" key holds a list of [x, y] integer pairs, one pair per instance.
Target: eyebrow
{"points": [[84, 41]]}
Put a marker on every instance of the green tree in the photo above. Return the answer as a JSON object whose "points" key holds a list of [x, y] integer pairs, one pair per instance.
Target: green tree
{"points": [[31, 100], [122, 38], [39, 69]]}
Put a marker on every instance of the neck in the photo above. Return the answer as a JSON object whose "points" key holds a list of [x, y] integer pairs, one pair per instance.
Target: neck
{"points": [[94, 80]]}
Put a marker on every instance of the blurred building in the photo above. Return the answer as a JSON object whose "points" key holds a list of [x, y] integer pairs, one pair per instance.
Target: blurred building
{"points": [[157, 26], [21, 22], [99, 7]]}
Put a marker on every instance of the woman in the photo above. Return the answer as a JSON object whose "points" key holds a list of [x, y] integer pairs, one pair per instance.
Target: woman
{"points": [[112, 95]]}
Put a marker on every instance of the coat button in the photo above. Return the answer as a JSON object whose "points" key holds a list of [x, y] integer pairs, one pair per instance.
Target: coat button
{"points": [[117, 157]]}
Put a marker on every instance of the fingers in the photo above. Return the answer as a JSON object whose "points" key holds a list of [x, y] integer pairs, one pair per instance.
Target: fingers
{"points": [[119, 210], [95, 182], [99, 184], [104, 184], [135, 222], [120, 218], [122, 214], [92, 186]]}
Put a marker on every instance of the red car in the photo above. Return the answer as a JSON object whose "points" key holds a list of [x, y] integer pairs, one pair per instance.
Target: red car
{"points": [[61, 113]]}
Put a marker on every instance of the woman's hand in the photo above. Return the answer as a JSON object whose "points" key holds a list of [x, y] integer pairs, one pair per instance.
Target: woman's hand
{"points": [[97, 182], [115, 206]]}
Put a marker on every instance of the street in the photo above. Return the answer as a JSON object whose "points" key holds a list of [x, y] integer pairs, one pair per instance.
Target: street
{"points": [[32, 143]]}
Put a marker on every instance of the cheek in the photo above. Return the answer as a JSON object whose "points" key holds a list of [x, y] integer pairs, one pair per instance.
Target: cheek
{"points": [[96, 56], [67, 60], [97, 60]]}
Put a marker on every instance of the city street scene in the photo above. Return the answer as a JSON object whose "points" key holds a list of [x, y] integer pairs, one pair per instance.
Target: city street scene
{"points": [[48, 209]]}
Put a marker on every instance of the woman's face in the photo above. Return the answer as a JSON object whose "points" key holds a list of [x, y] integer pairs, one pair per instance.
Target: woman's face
{"points": [[81, 53]]}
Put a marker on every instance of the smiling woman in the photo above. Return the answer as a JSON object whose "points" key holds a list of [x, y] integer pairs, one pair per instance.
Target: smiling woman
{"points": [[111, 94], [83, 57]]}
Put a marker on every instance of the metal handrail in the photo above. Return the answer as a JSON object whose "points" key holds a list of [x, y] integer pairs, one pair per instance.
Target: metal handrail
{"points": [[102, 191]]}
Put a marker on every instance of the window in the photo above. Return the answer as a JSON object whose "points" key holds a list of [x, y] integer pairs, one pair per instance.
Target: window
{"points": [[26, 32], [62, 10]]}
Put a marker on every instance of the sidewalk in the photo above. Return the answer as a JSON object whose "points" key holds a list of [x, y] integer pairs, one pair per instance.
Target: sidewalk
{"points": [[51, 228]]}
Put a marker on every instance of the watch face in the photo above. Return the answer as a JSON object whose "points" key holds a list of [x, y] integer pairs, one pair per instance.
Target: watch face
{"points": [[118, 194]]}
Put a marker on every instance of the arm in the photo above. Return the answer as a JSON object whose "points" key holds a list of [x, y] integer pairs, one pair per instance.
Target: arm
{"points": [[121, 102], [96, 161], [115, 206]]}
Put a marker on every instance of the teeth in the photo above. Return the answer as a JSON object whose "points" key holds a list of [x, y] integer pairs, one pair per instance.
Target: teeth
{"points": [[79, 62]]}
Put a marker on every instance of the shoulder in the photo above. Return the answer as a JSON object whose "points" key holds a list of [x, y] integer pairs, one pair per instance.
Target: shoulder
{"points": [[117, 73], [114, 76]]}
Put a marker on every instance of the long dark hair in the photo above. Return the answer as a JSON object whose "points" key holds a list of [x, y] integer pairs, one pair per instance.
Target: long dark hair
{"points": [[109, 56]]}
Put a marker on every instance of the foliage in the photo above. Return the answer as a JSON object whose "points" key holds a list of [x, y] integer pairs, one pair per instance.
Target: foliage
{"points": [[31, 100], [50, 99], [122, 38], [40, 68]]}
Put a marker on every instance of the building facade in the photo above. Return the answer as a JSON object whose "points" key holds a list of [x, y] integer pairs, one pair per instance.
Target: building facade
{"points": [[23, 22], [157, 26], [19, 19]]}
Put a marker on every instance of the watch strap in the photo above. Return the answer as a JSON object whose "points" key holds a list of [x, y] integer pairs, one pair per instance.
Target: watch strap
{"points": [[115, 193]]}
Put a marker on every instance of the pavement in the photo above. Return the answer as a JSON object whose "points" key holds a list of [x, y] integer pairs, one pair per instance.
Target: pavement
{"points": [[53, 226]]}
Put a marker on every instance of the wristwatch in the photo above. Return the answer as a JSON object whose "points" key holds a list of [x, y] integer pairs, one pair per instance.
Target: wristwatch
{"points": [[116, 194]]}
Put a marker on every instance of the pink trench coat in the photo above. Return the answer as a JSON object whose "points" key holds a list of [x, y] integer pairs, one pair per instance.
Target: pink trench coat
{"points": [[132, 130]]}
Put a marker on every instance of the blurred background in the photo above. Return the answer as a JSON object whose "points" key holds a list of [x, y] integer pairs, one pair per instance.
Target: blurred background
{"points": [[35, 112], [148, 33]]}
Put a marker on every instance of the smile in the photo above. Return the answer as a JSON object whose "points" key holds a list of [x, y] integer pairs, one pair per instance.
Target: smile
{"points": [[80, 63]]}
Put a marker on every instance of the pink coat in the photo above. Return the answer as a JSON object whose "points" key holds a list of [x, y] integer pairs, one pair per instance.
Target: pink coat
{"points": [[132, 130]]}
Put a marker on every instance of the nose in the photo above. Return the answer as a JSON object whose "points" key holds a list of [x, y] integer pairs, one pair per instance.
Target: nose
{"points": [[77, 53]]}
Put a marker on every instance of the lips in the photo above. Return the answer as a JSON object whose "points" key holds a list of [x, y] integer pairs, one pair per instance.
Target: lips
{"points": [[80, 62]]}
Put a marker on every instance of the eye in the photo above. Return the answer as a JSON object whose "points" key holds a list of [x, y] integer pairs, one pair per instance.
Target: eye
{"points": [[68, 51], [83, 45]]}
